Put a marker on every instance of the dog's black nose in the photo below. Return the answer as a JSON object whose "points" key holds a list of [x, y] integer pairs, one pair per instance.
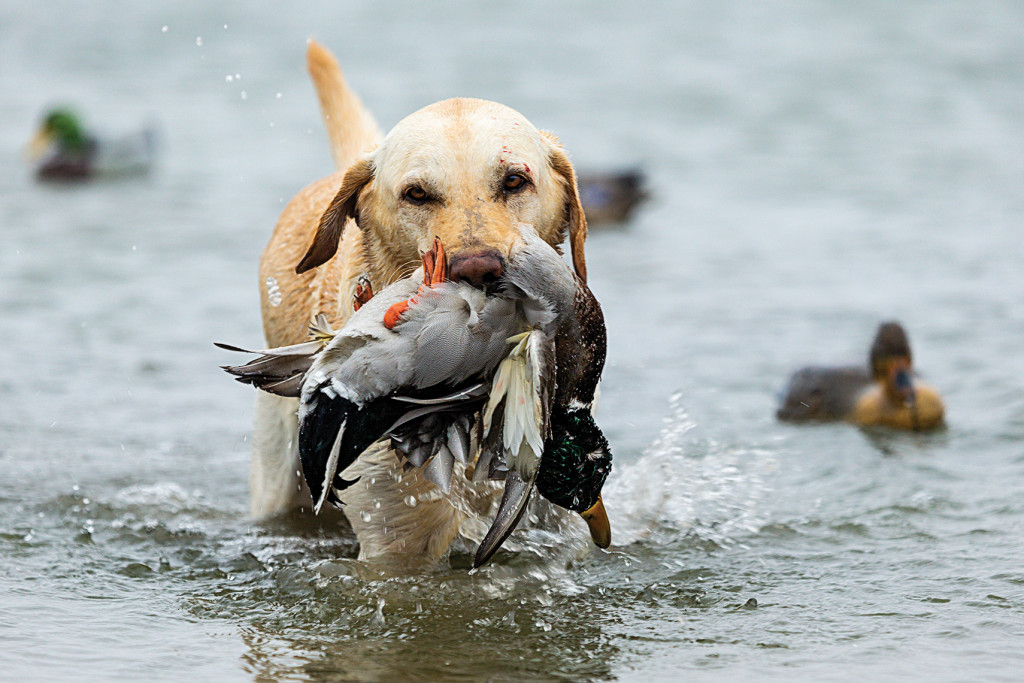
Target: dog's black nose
{"points": [[478, 268]]}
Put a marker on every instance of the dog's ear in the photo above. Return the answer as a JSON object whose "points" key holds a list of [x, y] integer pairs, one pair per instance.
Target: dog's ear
{"points": [[573, 207], [332, 223]]}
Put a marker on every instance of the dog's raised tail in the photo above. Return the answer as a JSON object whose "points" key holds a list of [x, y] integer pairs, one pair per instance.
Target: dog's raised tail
{"points": [[350, 127]]}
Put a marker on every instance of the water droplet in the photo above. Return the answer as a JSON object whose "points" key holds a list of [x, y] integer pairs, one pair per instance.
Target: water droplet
{"points": [[163, 29], [244, 95], [225, 27], [278, 96], [411, 501], [274, 297], [229, 78], [376, 504], [199, 41], [364, 515]]}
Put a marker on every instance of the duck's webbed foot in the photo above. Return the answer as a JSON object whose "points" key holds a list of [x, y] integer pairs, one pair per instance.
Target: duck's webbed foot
{"points": [[435, 265], [363, 293], [435, 271]]}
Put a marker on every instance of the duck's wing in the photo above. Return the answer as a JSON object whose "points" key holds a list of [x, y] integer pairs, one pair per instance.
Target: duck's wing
{"points": [[333, 432], [430, 431]]}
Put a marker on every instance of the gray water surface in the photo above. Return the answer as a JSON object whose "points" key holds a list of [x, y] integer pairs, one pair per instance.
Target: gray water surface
{"points": [[816, 168]]}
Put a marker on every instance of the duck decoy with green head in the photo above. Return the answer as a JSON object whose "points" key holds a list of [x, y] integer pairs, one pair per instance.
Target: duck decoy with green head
{"points": [[65, 150], [886, 392]]}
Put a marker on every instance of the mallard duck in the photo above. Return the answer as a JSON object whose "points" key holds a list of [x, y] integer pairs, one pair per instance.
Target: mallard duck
{"points": [[886, 392], [65, 150], [492, 386], [611, 197]]}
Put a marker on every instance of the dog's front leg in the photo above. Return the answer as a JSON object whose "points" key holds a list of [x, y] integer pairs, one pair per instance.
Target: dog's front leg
{"points": [[275, 483]]}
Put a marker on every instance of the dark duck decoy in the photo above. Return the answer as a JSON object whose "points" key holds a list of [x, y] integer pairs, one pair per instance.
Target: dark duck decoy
{"points": [[66, 151], [886, 392], [468, 388], [611, 197]]}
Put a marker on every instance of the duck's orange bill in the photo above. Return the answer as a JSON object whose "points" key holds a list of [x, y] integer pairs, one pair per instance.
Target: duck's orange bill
{"points": [[38, 145], [597, 520]]}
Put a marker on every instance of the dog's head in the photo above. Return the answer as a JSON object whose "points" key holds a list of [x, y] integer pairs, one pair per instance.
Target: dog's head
{"points": [[467, 171]]}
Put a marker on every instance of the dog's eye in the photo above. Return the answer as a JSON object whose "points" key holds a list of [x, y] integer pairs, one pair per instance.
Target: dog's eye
{"points": [[415, 194], [514, 182]]}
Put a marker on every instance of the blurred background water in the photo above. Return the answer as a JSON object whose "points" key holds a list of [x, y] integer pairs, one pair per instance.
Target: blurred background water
{"points": [[816, 168]]}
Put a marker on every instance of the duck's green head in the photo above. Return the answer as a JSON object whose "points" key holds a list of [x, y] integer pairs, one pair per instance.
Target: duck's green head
{"points": [[574, 466], [63, 127]]}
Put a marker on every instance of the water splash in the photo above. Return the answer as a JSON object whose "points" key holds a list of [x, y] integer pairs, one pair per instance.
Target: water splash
{"points": [[682, 484]]}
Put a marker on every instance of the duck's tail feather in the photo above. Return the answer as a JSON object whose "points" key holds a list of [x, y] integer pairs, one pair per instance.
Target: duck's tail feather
{"points": [[277, 371], [281, 370]]}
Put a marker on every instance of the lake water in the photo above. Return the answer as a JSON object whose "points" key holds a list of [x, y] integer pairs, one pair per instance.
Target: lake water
{"points": [[815, 168]]}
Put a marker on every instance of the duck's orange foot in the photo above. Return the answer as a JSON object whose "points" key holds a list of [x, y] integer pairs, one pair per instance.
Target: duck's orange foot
{"points": [[435, 271], [435, 265], [364, 292], [394, 314]]}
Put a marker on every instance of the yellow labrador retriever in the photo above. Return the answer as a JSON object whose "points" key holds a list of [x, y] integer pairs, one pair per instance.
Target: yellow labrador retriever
{"points": [[468, 171]]}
